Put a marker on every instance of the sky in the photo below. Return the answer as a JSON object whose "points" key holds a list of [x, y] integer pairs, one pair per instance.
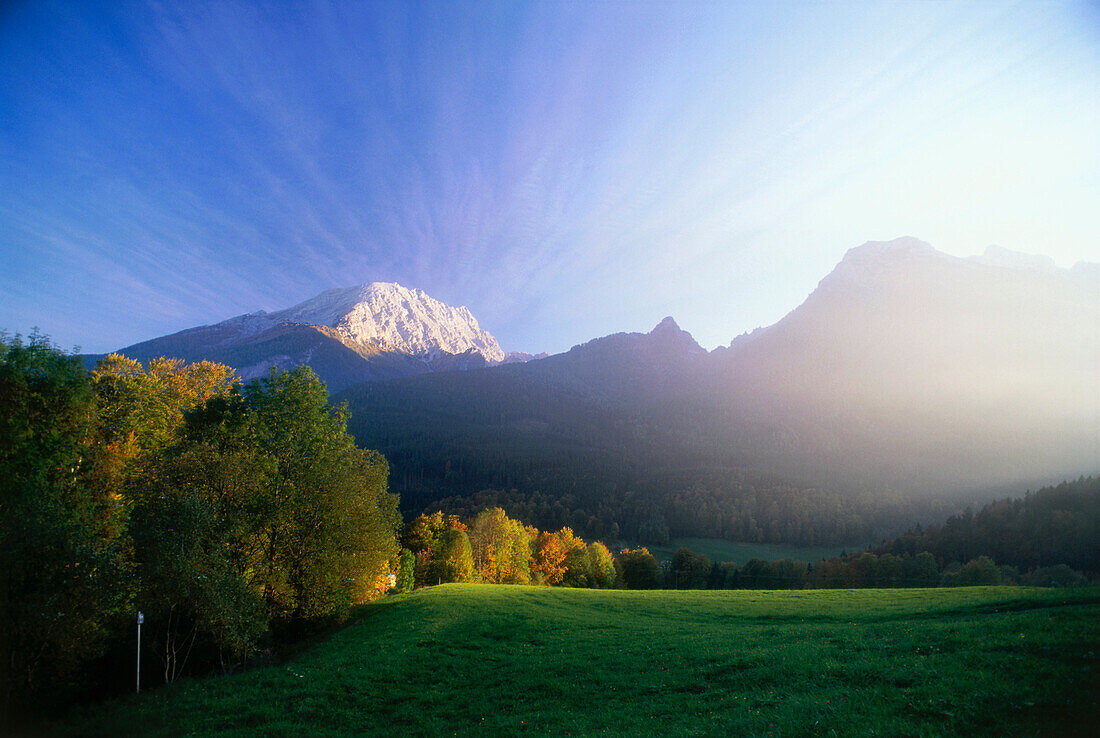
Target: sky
{"points": [[564, 169]]}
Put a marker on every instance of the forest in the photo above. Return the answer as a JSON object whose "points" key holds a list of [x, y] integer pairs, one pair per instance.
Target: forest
{"points": [[603, 439]]}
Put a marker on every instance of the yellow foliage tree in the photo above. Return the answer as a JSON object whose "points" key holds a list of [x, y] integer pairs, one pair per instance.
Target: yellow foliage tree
{"points": [[501, 548]]}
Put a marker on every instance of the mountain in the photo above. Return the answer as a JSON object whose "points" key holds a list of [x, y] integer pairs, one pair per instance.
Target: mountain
{"points": [[907, 376], [356, 334], [915, 367]]}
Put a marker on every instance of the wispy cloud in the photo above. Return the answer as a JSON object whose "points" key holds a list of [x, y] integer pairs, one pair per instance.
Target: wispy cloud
{"points": [[564, 170]]}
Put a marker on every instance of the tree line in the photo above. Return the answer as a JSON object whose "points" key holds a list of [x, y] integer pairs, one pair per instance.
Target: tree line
{"points": [[230, 514], [491, 547], [688, 570], [1055, 525]]}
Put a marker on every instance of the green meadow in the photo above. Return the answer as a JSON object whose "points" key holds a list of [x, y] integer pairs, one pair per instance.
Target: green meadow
{"points": [[510, 660]]}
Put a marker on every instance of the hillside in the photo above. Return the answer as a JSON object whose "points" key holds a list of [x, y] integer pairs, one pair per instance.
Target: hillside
{"points": [[1054, 525], [501, 660], [906, 382]]}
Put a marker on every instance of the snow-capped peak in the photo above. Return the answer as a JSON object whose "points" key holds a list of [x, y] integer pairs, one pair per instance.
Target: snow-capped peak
{"points": [[389, 316]]}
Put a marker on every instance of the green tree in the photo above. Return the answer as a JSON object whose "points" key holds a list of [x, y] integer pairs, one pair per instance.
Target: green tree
{"points": [[422, 536], [981, 570], [578, 568], [455, 562], [578, 571], [690, 571], [406, 572], [329, 521], [194, 546], [601, 565], [637, 569], [61, 562], [316, 524]]}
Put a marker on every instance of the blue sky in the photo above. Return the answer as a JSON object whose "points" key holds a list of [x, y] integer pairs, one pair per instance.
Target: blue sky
{"points": [[566, 170]]}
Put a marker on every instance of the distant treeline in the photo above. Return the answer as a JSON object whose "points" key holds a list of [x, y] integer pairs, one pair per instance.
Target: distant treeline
{"points": [[230, 515], [1048, 538], [688, 570], [1056, 525], [718, 508]]}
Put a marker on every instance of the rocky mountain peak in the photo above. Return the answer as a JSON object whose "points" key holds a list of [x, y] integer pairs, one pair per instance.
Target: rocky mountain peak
{"points": [[390, 317], [668, 333]]}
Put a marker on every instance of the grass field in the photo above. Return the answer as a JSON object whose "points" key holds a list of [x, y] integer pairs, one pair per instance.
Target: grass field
{"points": [[501, 660], [717, 549]]}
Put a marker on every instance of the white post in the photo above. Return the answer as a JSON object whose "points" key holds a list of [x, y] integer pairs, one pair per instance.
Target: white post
{"points": [[140, 620]]}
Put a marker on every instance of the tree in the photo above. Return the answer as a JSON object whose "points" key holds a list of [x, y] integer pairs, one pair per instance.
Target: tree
{"points": [[331, 522], [141, 408], [406, 572], [690, 571], [501, 548], [637, 569], [455, 560], [577, 569], [981, 570], [601, 566], [548, 559], [422, 536], [754, 574], [195, 547], [61, 553], [318, 525]]}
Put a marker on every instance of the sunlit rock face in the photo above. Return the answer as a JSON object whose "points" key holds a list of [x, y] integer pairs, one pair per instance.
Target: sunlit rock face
{"points": [[394, 318], [377, 331]]}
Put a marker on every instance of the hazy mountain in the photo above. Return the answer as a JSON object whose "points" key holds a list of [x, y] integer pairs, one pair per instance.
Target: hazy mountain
{"points": [[910, 365], [349, 335], [906, 369]]}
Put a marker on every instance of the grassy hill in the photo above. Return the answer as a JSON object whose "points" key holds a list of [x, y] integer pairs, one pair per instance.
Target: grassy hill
{"points": [[500, 660]]}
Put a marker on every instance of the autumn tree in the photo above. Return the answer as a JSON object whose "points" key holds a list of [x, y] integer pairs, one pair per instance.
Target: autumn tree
{"points": [[423, 535], [141, 407], [501, 548], [548, 559], [577, 569]]}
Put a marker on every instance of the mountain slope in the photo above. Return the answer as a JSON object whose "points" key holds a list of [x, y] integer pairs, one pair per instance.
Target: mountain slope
{"points": [[910, 365], [906, 369]]}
